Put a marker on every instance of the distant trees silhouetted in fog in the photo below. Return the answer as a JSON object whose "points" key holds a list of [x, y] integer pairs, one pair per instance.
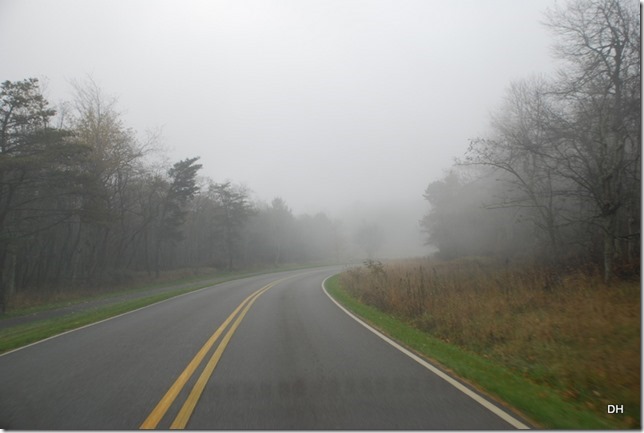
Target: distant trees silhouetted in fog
{"points": [[565, 152], [80, 204]]}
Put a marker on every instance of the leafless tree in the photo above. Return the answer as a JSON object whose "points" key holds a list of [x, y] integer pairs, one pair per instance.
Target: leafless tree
{"points": [[599, 129], [571, 145]]}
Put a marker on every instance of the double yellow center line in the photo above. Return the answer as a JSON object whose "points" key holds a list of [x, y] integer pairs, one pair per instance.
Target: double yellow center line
{"points": [[189, 405]]}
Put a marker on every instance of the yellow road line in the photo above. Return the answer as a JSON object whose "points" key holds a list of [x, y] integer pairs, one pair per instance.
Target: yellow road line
{"points": [[166, 401], [164, 404], [191, 402]]}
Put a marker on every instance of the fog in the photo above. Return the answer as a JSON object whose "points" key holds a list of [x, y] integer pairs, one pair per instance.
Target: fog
{"points": [[345, 107]]}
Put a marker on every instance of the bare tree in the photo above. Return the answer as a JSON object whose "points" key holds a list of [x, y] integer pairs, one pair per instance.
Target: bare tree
{"points": [[522, 149], [571, 145], [600, 129]]}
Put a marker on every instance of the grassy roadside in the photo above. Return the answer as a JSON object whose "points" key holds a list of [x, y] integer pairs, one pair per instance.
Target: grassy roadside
{"points": [[28, 303], [20, 335], [537, 402]]}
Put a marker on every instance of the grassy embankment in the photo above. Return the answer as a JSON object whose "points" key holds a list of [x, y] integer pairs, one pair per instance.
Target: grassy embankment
{"points": [[120, 298], [559, 349]]}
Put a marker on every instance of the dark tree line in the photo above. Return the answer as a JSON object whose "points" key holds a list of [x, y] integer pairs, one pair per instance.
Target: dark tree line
{"points": [[80, 203], [562, 167]]}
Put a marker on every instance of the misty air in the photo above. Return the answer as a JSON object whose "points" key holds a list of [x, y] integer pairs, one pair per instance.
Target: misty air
{"points": [[320, 215]]}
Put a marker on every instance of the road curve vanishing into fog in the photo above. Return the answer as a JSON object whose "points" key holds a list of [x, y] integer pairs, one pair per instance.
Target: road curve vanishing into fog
{"points": [[265, 352]]}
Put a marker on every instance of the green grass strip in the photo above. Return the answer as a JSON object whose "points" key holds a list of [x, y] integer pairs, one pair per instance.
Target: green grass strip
{"points": [[537, 402], [21, 335]]}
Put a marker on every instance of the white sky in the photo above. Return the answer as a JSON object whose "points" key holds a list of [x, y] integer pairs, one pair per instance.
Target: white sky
{"points": [[328, 104]]}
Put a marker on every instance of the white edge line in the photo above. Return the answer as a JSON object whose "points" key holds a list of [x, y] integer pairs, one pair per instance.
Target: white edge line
{"points": [[122, 314], [476, 397], [104, 320]]}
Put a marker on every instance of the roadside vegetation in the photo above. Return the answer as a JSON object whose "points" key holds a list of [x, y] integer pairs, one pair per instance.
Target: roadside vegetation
{"points": [[20, 335], [48, 298], [91, 305], [131, 283], [571, 334], [84, 202], [537, 229]]}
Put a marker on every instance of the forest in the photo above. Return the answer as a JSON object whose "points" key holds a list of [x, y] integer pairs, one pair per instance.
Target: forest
{"points": [[558, 179], [84, 202]]}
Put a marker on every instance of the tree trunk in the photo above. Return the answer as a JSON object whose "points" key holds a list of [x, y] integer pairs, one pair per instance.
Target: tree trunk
{"points": [[157, 257], [609, 247], [146, 252], [8, 277]]}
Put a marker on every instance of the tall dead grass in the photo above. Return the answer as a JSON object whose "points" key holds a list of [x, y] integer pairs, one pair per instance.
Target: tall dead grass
{"points": [[567, 330]]}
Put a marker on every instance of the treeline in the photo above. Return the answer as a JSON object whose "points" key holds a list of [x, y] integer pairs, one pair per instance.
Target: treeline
{"points": [[82, 203], [559, 176]]}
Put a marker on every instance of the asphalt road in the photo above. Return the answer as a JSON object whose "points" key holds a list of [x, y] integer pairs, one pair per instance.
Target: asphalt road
{"points": [[287, 358]]}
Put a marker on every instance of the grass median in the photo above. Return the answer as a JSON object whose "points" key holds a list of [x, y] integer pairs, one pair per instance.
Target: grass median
{"points": [[536, 402]]}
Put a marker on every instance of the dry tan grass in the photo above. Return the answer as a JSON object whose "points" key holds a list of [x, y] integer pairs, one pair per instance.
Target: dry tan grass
{"points": [[565, 329]]}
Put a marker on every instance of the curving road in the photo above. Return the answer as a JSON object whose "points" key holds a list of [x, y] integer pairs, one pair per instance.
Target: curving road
{"points": [[266, 352]]}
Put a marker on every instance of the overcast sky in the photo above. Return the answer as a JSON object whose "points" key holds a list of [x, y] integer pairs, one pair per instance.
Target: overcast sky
{"points": [[327, 104]]}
